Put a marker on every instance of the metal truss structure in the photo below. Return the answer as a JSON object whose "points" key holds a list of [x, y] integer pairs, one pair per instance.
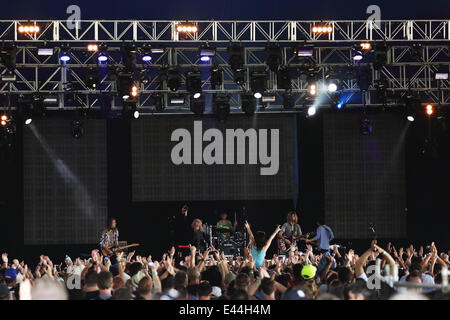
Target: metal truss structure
{"points": [[404, 71]]}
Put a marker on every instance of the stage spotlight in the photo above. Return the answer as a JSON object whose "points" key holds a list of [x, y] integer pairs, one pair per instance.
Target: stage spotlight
{"points": [[322, 29], [173, 77], [194, 83], [304, 51], [429, 109], [236, 57], [441, 76], [8, 57], [146, 53], [206, 52], [4, 119], [124, 84], [24, 106], [134, 91], [93, 47], [366, 126], [248, 104], [357, 54], [158, 99], [312, 89], [332, 87], [363, 78], [65, 54], [102, 53], [8, 76], [288, 100], [187, 28], [284, 79], [312, 111], [93, 78], [240, 76], [412, 105], [258, 83], [176, 99], [197, 106], [45, 50], [77, 129], [366, 46], [416, 51], [28, 29], [221, 107], [129, 56], [216, 76], [274, 57]]}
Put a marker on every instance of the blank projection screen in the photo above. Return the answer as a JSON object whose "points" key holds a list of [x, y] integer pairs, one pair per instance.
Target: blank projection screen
{"points": [[263, 166], [65, 184], [365, 176]]}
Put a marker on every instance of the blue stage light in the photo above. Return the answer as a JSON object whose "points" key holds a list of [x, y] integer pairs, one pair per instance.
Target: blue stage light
{"points": [[64, 57]]}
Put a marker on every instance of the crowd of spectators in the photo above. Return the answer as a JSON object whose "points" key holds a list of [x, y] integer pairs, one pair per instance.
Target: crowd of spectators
{"points": [[340, 275]]}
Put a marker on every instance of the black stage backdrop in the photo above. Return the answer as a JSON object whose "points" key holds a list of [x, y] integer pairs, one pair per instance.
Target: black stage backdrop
{"points": [[65, 183], [365, 192], [158, 176], [147, 222]]}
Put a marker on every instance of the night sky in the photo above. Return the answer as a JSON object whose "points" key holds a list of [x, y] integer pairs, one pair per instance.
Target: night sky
{"points": [[227, 9]]}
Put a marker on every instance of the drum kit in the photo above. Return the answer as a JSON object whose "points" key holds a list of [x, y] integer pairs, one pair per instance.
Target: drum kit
{"points": [[223, 239]]}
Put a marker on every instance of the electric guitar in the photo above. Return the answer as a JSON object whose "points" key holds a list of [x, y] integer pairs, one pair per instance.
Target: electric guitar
{"points": [[283, 246], [108, 249]]}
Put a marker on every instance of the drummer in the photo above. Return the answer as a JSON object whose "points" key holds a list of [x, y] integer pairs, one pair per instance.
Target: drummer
{"points": [[225, 224]]}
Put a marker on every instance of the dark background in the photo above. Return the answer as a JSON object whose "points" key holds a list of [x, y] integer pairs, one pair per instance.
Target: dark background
{"points": [[228, 9]]}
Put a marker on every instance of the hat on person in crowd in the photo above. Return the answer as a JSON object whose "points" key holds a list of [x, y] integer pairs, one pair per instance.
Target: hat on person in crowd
{"points": [[11, 274], [136, 278], [308, 272], [4, 291], [294, 295]]}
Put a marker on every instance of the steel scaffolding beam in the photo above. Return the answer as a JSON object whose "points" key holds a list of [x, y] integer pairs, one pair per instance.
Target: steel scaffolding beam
{"points": [[405, 70], [225, 31]]}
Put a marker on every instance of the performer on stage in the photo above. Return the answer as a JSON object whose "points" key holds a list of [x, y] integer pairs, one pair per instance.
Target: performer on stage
{"points": [[290, 230], [323, 237], [110, 236], [199, 238], [224, 223]]}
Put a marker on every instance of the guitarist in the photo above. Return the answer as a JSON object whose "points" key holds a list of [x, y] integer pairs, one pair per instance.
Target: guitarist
{"points": [[110, 236], [290, 232]]}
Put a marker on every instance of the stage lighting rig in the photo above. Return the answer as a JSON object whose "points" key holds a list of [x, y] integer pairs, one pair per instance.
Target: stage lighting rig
{"points": [[197, 106], [258, 83], [304, 51], [8, 56], [236, 57], [64, 55], [93, 78], [380, 56], [194, 83], [357, 54], [221, 107], [129, 51], [322, 29], [274, 57], [187, 28], [124, 84], [216, 78], [146, 53], [28, 29], [248, 104], [92, 47], [284, 78], [429, 109], [102, 53], [288, 100], [206, 52], [173, 78], [158, 99]]}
